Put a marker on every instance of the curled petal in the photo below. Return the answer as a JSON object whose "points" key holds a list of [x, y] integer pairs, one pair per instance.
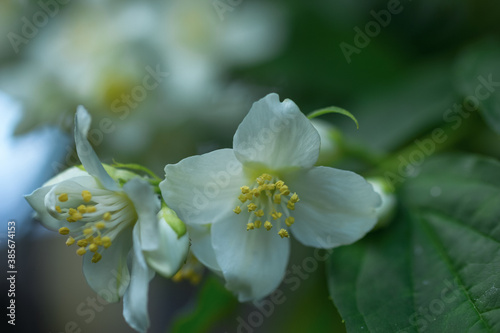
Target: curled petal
{"points": [[135, 301], [147, 205], [66, 175], [37, 202], [86, 153]]}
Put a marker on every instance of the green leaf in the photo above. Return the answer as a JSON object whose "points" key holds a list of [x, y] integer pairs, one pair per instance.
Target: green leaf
{"points": [[332, 109], [477, 78], [437, 267], [397, 110], [214, 304]]}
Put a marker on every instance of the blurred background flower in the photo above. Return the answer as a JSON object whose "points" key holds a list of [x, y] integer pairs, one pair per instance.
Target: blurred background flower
{"points": [[168, 79]]}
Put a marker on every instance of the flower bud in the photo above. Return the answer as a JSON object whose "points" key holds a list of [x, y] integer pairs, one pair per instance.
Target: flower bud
{"points": [[331, 142], [387, 210]]}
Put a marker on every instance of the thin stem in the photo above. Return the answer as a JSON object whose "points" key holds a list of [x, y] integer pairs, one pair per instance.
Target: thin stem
{"points": [[136, 167]]}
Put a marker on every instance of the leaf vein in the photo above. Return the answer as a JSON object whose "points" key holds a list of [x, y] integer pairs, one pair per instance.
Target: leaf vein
{"points": [[446, 258]]}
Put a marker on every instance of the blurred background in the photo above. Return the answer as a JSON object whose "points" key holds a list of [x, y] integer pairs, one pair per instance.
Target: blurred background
{"points": [[164, 80]]}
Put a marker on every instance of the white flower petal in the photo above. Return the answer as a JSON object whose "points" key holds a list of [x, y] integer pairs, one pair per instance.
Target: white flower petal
{"points": [[277, 135], [42, 204], [203, 189], [66, 175], [252, 262], [110, 276], [171, 252], [86, 153], [147, 205], [37, 198], [73, 188], [336, 207], [201, 246], [44, 199], [135, 300], [37, 201]]}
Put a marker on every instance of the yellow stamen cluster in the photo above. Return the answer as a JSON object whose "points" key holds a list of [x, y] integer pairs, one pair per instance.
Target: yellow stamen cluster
{"points": [[63, 231], [283, 233], [191, 270], [70, 241], [86, 195], [271, 197], [90, 238], [268, 225], [187, 274], [276, 215]]}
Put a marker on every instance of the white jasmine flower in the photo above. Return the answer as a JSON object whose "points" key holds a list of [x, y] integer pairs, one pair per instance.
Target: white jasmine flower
{"points": [[117, 230], [242, 205]]}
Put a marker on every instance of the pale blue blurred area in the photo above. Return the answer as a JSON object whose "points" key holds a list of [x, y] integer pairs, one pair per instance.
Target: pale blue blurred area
{"points": [[28, 161]]}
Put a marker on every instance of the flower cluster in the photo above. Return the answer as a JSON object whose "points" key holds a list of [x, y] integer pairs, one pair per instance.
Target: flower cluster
{"points": [[240, 206], [120, 231]]}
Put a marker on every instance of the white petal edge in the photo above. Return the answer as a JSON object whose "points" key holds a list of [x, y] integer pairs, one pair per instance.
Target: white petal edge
{"points": [[135, 300], [171, 253], [66, 175], [201, 246], [336, 207], [37, 198], [37, 201], [253, 262], [276, 134], [110, 276], [147, 205], [73, 187], [205, 188], [44, 200], [86, 153]]}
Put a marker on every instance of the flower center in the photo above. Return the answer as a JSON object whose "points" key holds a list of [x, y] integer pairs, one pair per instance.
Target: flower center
{"points": [[94, 221], [268, 199]]}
